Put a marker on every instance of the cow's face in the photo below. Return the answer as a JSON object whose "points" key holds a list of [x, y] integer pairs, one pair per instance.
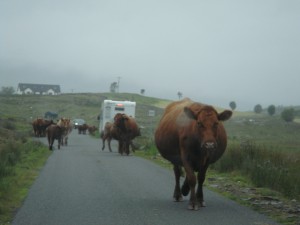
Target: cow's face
{"points": [[119, 120], [207, 122], [63, 123]]}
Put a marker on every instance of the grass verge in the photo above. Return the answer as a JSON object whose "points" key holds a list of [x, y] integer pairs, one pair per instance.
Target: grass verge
{"points": [[14, 186]]}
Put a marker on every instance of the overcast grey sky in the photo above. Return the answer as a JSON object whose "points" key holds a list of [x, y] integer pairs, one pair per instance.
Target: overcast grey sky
{"points": [[213, 51]]}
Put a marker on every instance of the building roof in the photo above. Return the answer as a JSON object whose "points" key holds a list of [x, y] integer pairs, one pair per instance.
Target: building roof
{"points": [[39, 87]]}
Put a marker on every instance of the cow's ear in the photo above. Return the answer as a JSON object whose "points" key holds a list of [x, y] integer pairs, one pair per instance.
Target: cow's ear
{"points": [[225, 115], [190, 114]]}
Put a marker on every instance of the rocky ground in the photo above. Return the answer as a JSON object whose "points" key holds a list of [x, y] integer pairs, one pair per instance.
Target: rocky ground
{"points": [[268, 202]]}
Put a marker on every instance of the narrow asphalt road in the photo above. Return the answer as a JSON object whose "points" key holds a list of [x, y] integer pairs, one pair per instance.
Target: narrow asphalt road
{"points": [[82, 185]]}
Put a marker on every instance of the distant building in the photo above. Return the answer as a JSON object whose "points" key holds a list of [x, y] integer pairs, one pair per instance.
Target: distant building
{"points": [[38, 89]]}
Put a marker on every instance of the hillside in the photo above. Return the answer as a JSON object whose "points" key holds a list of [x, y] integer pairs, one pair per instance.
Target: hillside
{"points": [[25, 108], [260, 128]]}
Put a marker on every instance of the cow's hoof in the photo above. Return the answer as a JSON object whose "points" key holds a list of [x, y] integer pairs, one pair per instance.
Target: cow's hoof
{"points": [[193, 206], [202, 204], [177, 199]]}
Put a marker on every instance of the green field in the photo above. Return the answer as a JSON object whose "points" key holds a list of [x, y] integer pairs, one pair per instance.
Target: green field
{"points": [[260, 128], [262, 148]]}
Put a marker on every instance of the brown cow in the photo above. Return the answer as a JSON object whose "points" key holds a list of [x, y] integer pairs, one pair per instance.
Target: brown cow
{"points": [[67, 127], [110, 132], [35, 125], [39, 126], [127, 131], [82, 128], [54, 132], [191, 135], [92, 129]]}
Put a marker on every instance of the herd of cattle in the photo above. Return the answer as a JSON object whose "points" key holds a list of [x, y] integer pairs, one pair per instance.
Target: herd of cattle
{"points": [[58, 131], [124, 129], [189, 135]]}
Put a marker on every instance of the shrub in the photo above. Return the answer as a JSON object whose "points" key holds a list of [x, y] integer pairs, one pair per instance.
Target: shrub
{"points": [[258, 108], [232, 105], [271, 110], [9, 155], [9, 125], [288, 115]]}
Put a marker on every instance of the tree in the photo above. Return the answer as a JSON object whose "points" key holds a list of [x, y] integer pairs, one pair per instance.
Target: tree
{"points": [[232, 105], [114, 87], [288, 115], [142, 91], [258, 108], [271, 110], [179, 94], [7, 91]]}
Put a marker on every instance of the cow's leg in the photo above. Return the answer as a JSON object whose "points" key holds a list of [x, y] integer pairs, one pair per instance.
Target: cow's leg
{"points": [[191, 180], [59, 141], [51, 143], [39, 132], [120, 147], [193, 204], [126, 147], [123, 147], [185, 189], [48, 139], [177, 192], [63, 140], [103, 142], [109, 146], [201, 179]]}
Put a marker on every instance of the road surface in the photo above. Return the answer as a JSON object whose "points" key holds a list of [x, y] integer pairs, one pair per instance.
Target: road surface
{"points": [[82, 185]]}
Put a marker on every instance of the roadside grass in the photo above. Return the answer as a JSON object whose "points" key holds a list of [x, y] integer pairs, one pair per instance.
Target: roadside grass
{"points": [[20, 161], [278, 170], [18, 176]]}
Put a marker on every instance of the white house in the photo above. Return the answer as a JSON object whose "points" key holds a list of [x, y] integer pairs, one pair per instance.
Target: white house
{"points": [[38, 89]]}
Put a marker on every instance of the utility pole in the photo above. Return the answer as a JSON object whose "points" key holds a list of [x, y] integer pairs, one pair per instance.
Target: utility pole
{"points": [[118, 83]]}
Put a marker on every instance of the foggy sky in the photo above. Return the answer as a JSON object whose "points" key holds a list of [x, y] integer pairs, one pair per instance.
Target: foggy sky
{"points": [[212, 51]]}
